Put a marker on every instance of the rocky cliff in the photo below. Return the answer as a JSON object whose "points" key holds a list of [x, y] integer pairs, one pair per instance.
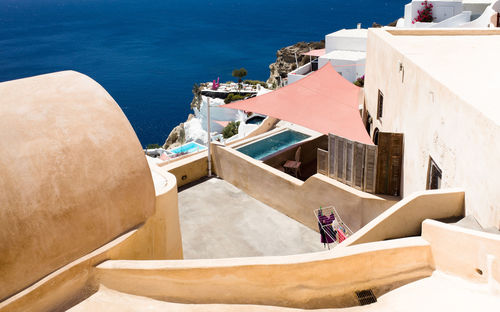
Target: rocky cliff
{"points": [[285, 59], [177, 135]]}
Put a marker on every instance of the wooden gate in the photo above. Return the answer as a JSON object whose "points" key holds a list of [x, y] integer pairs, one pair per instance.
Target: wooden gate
{"points": [[389, 163]]}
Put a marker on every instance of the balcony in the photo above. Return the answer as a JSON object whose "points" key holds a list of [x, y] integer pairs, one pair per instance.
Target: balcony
{"points": [[303, 71]]}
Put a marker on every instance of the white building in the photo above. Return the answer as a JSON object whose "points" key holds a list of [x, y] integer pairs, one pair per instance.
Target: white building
{"points": [[345, 49], [448, 13]]}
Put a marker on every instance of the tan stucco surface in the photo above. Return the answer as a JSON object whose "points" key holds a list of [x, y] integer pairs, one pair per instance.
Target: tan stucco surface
{"points": [[295, 198], [270, 283], [316, 280], [439, 292], [478, 252], [445, 101], [188, 169], [158, 238], [73, 175], [405, 218]]}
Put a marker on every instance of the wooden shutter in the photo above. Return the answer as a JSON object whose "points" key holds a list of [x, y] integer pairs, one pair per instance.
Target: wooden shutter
{"points": [[370, 178], [331, 156], [396, 163], [349, 158], [389, 163], [340, 159], [322, 157], [358, 165]]}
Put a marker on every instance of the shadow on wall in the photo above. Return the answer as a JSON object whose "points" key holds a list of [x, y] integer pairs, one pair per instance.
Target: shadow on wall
{"points": [[404, 219], [293, 197]]}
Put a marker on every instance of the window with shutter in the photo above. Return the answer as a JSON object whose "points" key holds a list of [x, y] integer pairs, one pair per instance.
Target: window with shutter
{"points": [[331, 155], [340, 158], [380, 104], [433, 176], [349, 158], [389, 163], [370, 177], [358, 165], [375, 136], [368, 123]]}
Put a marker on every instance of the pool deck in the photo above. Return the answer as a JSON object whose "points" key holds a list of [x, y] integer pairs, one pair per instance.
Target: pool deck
{"points": [[220, 221]]}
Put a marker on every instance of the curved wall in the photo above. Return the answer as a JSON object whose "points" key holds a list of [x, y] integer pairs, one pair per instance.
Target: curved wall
{"points": [[72, 175]]}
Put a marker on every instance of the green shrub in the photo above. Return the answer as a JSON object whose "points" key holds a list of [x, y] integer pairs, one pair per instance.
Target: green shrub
{"points": [[256, 82], [152, 146], [239, 73], [231, 129], [231, 97]]}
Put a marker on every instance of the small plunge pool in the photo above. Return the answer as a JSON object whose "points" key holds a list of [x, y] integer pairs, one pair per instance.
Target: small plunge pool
{"points": [[262, 148], [188, 148]]}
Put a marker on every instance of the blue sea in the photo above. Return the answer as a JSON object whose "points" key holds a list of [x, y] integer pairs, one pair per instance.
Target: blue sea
{"points": [[147, 54]]}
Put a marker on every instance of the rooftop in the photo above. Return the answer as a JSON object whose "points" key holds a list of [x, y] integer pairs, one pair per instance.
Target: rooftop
{"points": [[451, 55], [360, 33], [345, 55]]}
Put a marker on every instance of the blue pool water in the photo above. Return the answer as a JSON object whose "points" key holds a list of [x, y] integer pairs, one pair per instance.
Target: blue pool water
{"points": [[191, 147], [270, 145], [255, 120]]}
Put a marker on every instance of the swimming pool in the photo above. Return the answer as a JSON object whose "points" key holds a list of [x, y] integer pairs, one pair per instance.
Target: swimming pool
{"points": [[188, 148], [270, 145], [255, 120]]}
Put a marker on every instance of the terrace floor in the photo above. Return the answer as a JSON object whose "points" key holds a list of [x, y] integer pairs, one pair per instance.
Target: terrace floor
{"points": [[219, 220]]}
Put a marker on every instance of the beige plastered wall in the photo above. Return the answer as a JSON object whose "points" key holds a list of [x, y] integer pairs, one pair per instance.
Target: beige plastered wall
{"points": [[158, 238], [75, 190], [293, 197], [188, 169], [466, 253], [405, 218], [73, 175], [436, 123], [317, 280]]}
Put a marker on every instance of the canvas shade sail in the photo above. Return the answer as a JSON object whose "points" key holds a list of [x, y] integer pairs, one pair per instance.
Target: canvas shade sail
{"points": [[322, 101]]}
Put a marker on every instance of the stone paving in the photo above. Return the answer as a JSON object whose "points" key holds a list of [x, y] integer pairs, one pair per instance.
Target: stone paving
{"points": [[220, 221]]}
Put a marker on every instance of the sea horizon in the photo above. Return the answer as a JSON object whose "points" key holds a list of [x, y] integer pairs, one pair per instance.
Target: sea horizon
{"points": [[148, 54]]}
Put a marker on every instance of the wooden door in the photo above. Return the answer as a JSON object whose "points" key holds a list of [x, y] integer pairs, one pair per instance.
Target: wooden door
{"points": [[389, 163]]}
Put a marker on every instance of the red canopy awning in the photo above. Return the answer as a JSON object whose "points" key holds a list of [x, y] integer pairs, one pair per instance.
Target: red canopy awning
{"points": [[318, 52], [322, 101]]}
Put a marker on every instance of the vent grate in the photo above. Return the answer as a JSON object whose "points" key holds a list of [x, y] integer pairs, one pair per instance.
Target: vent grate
{"points": [[366, 297]]}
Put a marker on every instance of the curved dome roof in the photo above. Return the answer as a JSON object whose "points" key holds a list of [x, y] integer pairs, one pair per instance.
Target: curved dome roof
{"points": [[73, 175]]}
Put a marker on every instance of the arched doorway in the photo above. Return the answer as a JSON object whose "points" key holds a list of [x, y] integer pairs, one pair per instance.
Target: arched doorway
{"points": [[375, 136]]}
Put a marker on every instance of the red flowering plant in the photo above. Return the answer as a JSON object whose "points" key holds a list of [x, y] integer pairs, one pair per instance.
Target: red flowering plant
{"points": [[360, 82], [424, 15]]}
